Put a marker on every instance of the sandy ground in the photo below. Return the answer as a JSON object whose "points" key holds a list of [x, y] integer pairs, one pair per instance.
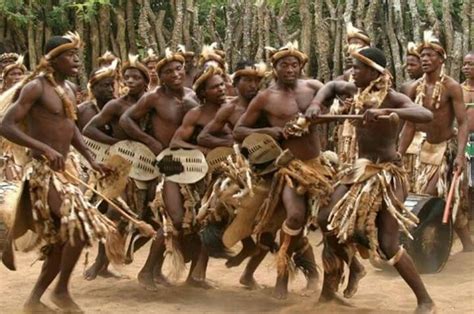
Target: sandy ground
{"points": [[379, 292]]}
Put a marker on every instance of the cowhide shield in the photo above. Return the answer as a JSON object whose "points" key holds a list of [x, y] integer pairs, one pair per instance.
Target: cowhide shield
{"points": [[184, 166], [141, 158]]}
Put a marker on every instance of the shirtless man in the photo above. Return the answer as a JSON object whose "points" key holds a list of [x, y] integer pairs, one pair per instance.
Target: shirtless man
{"points": [[166, 107], [443, 96], [377, 147], [412, 66], [6, 59], [101, 91], [247, 78], [150, 62], [468, 93], [210, 89], [279, 104], [189, 66], [47, 104], [12, 74], [136, 78]]}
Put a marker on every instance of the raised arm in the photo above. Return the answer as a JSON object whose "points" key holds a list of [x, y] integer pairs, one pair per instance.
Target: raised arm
{"points": [[129, 123], [327, 94], [184, 133], [215, 133], [245, 126], [93, 129]]}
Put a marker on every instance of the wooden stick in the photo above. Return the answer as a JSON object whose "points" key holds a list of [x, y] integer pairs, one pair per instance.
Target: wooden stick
{"points": [[350, 116], [117, 208], [447, 206]]}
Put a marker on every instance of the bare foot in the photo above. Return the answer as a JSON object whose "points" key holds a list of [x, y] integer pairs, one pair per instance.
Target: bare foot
{"points": [[162, 280], [332, 297], [65, 302], [204, 284], [355, 276], [146, 281], [280, 292], [249, 282], [92, 272], [107, 273], [426, 308], [236, 260], [37, 307]]}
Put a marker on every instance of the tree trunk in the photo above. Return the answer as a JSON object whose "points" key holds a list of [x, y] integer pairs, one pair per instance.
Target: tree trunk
{"points": [[394, 47], [197, 32], [188, 16], [104, 27], [159, 30], [79, 22], [322, 43], [360, 13], [132, 39], [247, 22], [415, 20], [151, 18], [231, 21], [282, 32], [94, 41], [465, 26], [370, 18], [259, 55], [144, 27], [338, 45], [176, 35], [120, 36], [398, 20], [306, 26], [448, 32], [457, 56], [31, 37], [431, 14]]}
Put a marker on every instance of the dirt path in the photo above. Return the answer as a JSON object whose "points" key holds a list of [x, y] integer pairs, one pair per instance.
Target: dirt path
{"points": [[452, 289]]}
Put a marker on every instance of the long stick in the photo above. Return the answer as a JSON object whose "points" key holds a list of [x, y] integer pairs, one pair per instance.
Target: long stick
{"points": [[350, 116], [120, 210], [447, 206]]}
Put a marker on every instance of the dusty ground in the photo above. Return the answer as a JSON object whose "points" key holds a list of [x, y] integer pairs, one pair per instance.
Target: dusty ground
{"points": [[452, 289]]}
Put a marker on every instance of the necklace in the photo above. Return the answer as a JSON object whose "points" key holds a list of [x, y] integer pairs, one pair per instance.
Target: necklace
{"points": [[467, 88], [436, 96]]}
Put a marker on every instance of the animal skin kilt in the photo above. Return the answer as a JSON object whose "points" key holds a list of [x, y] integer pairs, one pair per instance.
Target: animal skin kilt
{"points": [[371, 186], [77, 215], [311, 177], [437, 159]]}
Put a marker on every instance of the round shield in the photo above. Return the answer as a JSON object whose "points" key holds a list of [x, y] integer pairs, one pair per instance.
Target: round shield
{"points": [[99, 150], [432, 240], [141, 158], [218, 155], [182, 165], [261, 148]]}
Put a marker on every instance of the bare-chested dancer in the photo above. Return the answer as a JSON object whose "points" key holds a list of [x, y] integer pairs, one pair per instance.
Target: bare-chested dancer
{"points": [[166, 107], [12, 74], [210, 89], [150, 62], [376, 181], [101, 90], [210, 55], [468, 92], [443, 96], [247, 78], [47, 104], [136, 79], [280, 103]]}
